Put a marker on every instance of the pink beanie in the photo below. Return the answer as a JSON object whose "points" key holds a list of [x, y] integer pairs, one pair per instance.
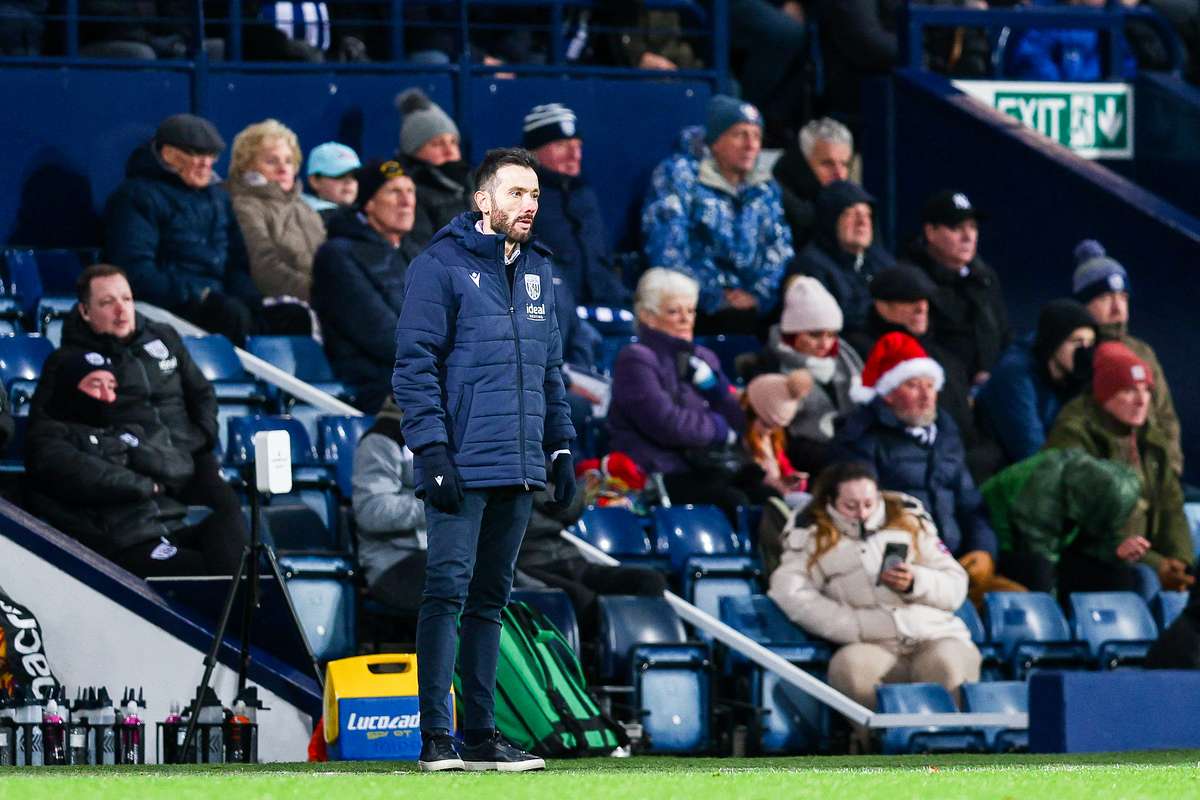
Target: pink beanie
{"points": [[808, 306], [774, 398]]}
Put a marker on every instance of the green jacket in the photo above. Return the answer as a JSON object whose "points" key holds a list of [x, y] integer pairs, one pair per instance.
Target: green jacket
{"points": [[1084, 424], [1055, 498]]}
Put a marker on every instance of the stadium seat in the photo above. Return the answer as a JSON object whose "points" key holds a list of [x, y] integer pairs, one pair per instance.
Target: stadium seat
{"points": [[999, 697], [302, 357], [1117, 627], [20, 397], [296, 528], [681, 532], [241, 439], [987, 649], [23, 280], [59, 269], [607, 321], [51, 313], [323, 592], [337, 438], [923, 698], [749, 518], [238, 394], [616, 531], [12, 317], [1030, 631], [707, 580], [556, 606], [22, 357], [643, 644], [1166, 606], [728, 347], [790, 721]]}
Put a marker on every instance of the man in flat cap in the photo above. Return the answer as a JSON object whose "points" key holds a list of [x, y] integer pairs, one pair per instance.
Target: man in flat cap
{"points": [[171, 227]]}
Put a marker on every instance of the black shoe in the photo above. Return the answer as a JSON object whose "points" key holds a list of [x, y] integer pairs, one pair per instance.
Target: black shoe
{"points": [[438, 753], [499, 754]]}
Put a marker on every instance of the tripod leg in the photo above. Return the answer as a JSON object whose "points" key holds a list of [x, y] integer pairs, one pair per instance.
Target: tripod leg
{"points": [[287, 596], [210, 660]]}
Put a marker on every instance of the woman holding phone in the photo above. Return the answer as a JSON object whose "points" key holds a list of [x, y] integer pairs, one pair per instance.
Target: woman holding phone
{"points": [[865, 569]]}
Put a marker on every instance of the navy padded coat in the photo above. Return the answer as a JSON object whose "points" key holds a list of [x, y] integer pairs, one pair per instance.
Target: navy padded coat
{"points": [[478, 361]]}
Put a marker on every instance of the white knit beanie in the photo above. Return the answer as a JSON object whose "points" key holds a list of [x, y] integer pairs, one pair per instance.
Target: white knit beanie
{"points": [[808, 306]]}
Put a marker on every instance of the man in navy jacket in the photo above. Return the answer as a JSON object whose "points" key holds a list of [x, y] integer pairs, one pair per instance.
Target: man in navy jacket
{"points": [[478, 357]]}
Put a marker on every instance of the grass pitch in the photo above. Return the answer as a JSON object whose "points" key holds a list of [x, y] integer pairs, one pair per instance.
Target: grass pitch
{"points": [[1174, 775]]}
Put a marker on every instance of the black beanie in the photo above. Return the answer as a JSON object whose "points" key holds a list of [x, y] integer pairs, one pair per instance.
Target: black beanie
{"points": [[373, 175], [1058, 320], [68, 403]]}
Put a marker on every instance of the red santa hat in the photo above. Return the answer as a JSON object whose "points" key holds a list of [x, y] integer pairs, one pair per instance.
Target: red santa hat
{"points": [[895, 358]]}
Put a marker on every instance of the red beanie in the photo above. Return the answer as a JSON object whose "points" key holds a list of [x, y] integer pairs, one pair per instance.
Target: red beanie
{"points": [[895, 358], [1116, 367]]}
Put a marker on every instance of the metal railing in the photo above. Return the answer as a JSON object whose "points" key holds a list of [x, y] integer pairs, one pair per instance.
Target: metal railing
{"points": [[1110, 21]]}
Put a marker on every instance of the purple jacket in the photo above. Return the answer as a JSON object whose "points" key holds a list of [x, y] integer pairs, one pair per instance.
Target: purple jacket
{"points": [[655, 414]]}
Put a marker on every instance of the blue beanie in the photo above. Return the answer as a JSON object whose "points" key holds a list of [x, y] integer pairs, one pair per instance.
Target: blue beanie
{"points": [[724, 112], [1096, 272]]}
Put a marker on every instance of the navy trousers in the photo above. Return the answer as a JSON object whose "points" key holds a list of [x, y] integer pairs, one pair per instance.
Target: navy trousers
{"points": [[469, 570]]}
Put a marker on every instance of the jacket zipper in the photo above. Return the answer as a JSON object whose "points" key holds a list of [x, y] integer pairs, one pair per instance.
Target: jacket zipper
{"points": [[520, 367]]}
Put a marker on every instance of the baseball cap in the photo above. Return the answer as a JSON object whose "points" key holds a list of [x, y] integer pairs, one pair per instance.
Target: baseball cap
{"points": [[949, 207], [332, 160]]}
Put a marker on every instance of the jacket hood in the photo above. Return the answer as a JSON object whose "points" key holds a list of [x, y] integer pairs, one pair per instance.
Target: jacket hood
{"points": [[1102, 511], [453, 176], [77, 333], [267, 190], [657, 340], [832, 200]]}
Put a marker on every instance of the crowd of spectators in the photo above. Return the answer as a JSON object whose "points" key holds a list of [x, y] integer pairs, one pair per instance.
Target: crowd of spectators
{"points": [[1050, 462]]}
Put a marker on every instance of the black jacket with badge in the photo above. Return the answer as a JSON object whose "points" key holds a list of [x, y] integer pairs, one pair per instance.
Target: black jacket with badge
{"points": [[159, 387], [98, 484], [967, 313], [799, 187]]}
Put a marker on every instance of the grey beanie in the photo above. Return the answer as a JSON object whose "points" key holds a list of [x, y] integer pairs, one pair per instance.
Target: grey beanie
{"points": [[423, 119], [1096, 272]]}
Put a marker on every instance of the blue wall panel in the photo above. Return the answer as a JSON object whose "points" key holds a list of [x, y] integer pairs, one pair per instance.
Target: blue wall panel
{"points": [[627, 127], [356, 109], [1041, 200], [66, 135]]}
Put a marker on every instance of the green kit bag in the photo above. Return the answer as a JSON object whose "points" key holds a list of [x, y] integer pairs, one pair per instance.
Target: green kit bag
{"points": [[542, 702]]}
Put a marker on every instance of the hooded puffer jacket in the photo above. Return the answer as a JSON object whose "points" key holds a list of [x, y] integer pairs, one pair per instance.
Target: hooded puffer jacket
{"points": [[479, 359], [839, 597]]}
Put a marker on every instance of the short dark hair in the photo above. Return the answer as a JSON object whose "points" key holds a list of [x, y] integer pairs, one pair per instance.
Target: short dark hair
{"points": [[499, 157], [83, 284]]}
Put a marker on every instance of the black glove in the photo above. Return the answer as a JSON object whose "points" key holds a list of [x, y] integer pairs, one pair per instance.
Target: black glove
{"points": [[443, 486], [562, 474]]}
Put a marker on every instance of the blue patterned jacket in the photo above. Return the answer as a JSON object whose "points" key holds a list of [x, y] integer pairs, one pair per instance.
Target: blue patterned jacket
{"points": [[725, 237]]}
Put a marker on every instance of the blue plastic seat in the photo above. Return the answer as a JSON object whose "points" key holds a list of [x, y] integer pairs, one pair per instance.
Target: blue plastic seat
{"points": [[1166, 606], [643, 644], [20, 397], [296, 528], [337, 439], [923, 698], [556, 606], [22, 358], [681, 532], [999, 697], [987, 649], [1117, 627], [238, 394], [300, 356], [51, 312], [608, 320], [1030, 631], [241, 439], [791, 721], [12, 317], [707, 580], [617, 531], [23, 279], [59, 269], [323, 592], [728, 346]]}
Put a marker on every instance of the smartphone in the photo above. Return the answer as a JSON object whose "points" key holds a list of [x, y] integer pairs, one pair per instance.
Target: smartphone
{"points": [[893, 553]]}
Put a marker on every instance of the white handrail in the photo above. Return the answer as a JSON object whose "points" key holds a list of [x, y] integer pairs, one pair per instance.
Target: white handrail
{"points": [[257, 367], [798, 678]]}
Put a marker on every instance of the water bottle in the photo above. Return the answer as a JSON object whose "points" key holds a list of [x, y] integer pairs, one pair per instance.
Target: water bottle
{"points": [[129, 733], [173, 731], [105, 716], [54, 735], [210, 718], [237, 739], [28, 717], [8, 732]]}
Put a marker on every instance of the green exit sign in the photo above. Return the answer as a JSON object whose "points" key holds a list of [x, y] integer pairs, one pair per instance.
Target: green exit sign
{"points": [[1094, 120]]}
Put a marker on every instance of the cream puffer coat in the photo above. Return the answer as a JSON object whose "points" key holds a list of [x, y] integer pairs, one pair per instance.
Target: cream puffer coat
{"points": [[282, 235], [840, 598]]}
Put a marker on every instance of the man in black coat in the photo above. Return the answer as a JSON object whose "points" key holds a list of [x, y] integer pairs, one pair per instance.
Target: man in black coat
{"points": [[969, 318], [159, 388], [826, 148], [569, 220], [358, 280], [843, 254], [431, 154], [111, 485]]}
